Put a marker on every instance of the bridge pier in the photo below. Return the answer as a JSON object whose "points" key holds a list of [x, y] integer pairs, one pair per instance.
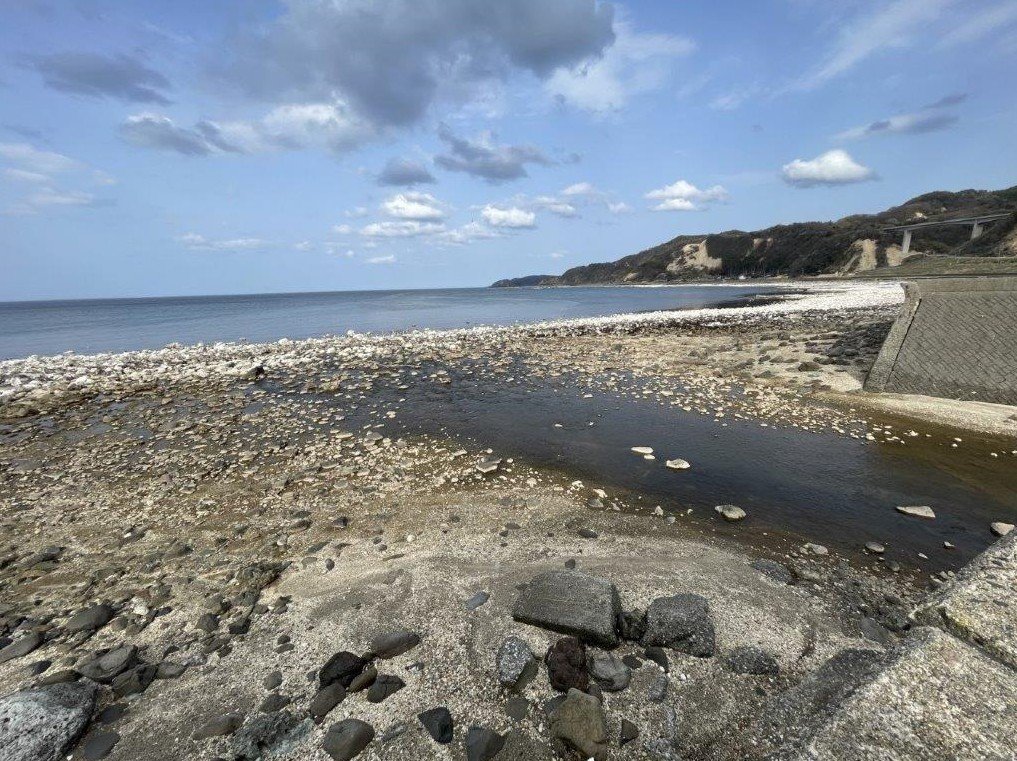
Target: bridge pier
{"points": [[906, 245], [976, 230]]}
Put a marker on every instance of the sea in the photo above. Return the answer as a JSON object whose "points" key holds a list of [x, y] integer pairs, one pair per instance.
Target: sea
{"points": [[112, 325]]}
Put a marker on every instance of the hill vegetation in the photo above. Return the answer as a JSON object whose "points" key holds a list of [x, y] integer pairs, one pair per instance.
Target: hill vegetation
{"points": [[854, 244]]}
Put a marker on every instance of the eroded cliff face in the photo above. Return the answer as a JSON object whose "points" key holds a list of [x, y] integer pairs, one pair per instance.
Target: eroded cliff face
{"points": [[846, 246]]}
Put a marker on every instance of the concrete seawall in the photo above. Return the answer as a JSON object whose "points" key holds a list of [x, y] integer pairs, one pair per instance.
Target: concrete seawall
{"points": [[955, 338]]}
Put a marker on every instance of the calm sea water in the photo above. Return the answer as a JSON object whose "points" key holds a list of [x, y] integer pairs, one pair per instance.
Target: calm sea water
{"points": [[88, 326]]}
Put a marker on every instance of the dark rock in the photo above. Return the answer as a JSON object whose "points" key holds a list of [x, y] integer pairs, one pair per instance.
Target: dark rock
{"points": [[273, 702], [325, 700], [97, 745], [345, 740], [629, 732], [21, 647], [384, 685], [632, 662], [477, 600], [658, 656], [364, 679], [343, 667], [657, 690], [566, 665], [681, 622], [588, 533], [438, 723], [391, 644], [208, 622], [42, 724], [517, 707], [875, 631], [60, 677], [262, 731], [111, 664], [112, 713], [632, 625], [578, 721], [135, 680], [775, 570], [746, 659], [573, 603], [483, 744], [219, 726], [517, 664], [609, 671], [90, 619]]}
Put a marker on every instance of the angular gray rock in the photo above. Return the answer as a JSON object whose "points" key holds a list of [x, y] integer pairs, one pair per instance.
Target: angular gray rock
{"points": [[571, 602], [578, 721], [325, 700], [343, 667], [345, 740], [218, 726], [43, 724], [516, 662], [384, 686], [609, 671], [110, 665], [681, 622]]}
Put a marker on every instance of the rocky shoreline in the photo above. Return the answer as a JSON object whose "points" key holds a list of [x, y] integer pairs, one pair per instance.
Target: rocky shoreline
{"points": [[228, 552]]}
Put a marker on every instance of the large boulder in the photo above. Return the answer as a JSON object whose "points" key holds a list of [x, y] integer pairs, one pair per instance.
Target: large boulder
{"points": [[573, 603], [43, 724], [681, 622]]}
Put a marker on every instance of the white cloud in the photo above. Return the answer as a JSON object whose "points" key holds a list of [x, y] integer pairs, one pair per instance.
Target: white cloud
{"points": [[635, 64], [197, 242], [468, 233], [24, 175], [32, 159], [419, 206], [895, 25], [387, 259], [619, 207], [973, 24], [304, 245], [403, 229], [342, 229], [556, 206], [338, 249], [580, 189], [834, 167], [357, 212], [684, 196], [512, 217]]}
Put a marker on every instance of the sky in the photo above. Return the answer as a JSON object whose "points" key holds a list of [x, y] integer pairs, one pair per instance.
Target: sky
{"points": [[253, 146]]}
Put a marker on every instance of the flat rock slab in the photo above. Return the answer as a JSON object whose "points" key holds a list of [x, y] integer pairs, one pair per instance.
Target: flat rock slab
{"points": [[42, 724], [940, 699], [980, 604], [573, 603]]}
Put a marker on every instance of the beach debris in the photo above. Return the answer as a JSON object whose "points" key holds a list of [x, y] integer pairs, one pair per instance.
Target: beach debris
{"points": [[917, 511]]}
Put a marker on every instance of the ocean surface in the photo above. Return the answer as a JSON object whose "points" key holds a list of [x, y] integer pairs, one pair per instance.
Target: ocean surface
{"points": [[101, 325]]}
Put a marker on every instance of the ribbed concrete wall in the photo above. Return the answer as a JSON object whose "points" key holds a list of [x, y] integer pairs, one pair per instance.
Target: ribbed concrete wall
{"points": [[956, 338]]}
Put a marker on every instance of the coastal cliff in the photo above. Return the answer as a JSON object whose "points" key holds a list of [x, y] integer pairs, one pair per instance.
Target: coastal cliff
{"points": [[846, 246]]}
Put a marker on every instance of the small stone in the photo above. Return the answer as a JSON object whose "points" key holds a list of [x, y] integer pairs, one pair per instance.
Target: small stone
{"points": [[917, 511], [109, 665], [273, 680], [384, 685], [438, 723], [364, 679], [643, 450], [566, 665], [325, 700], [343, 667], [1001, 529], [21, 647], [746, 659], [629, 732], [815, 549], [219, 726], [483, 744], [345, 740], [611, 673], [678, 464], [578, 721], [274, 702], [516, 662], [875, 548], [97, 745], [391, 644], [477, 600], [657, 690], [135, 680], [730, 513], [517, 707], [773, 569], [588, 533], [90, 619]]}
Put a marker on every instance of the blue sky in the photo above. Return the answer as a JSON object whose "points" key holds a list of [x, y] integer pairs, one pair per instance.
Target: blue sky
{"points": [[196, 147]]}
